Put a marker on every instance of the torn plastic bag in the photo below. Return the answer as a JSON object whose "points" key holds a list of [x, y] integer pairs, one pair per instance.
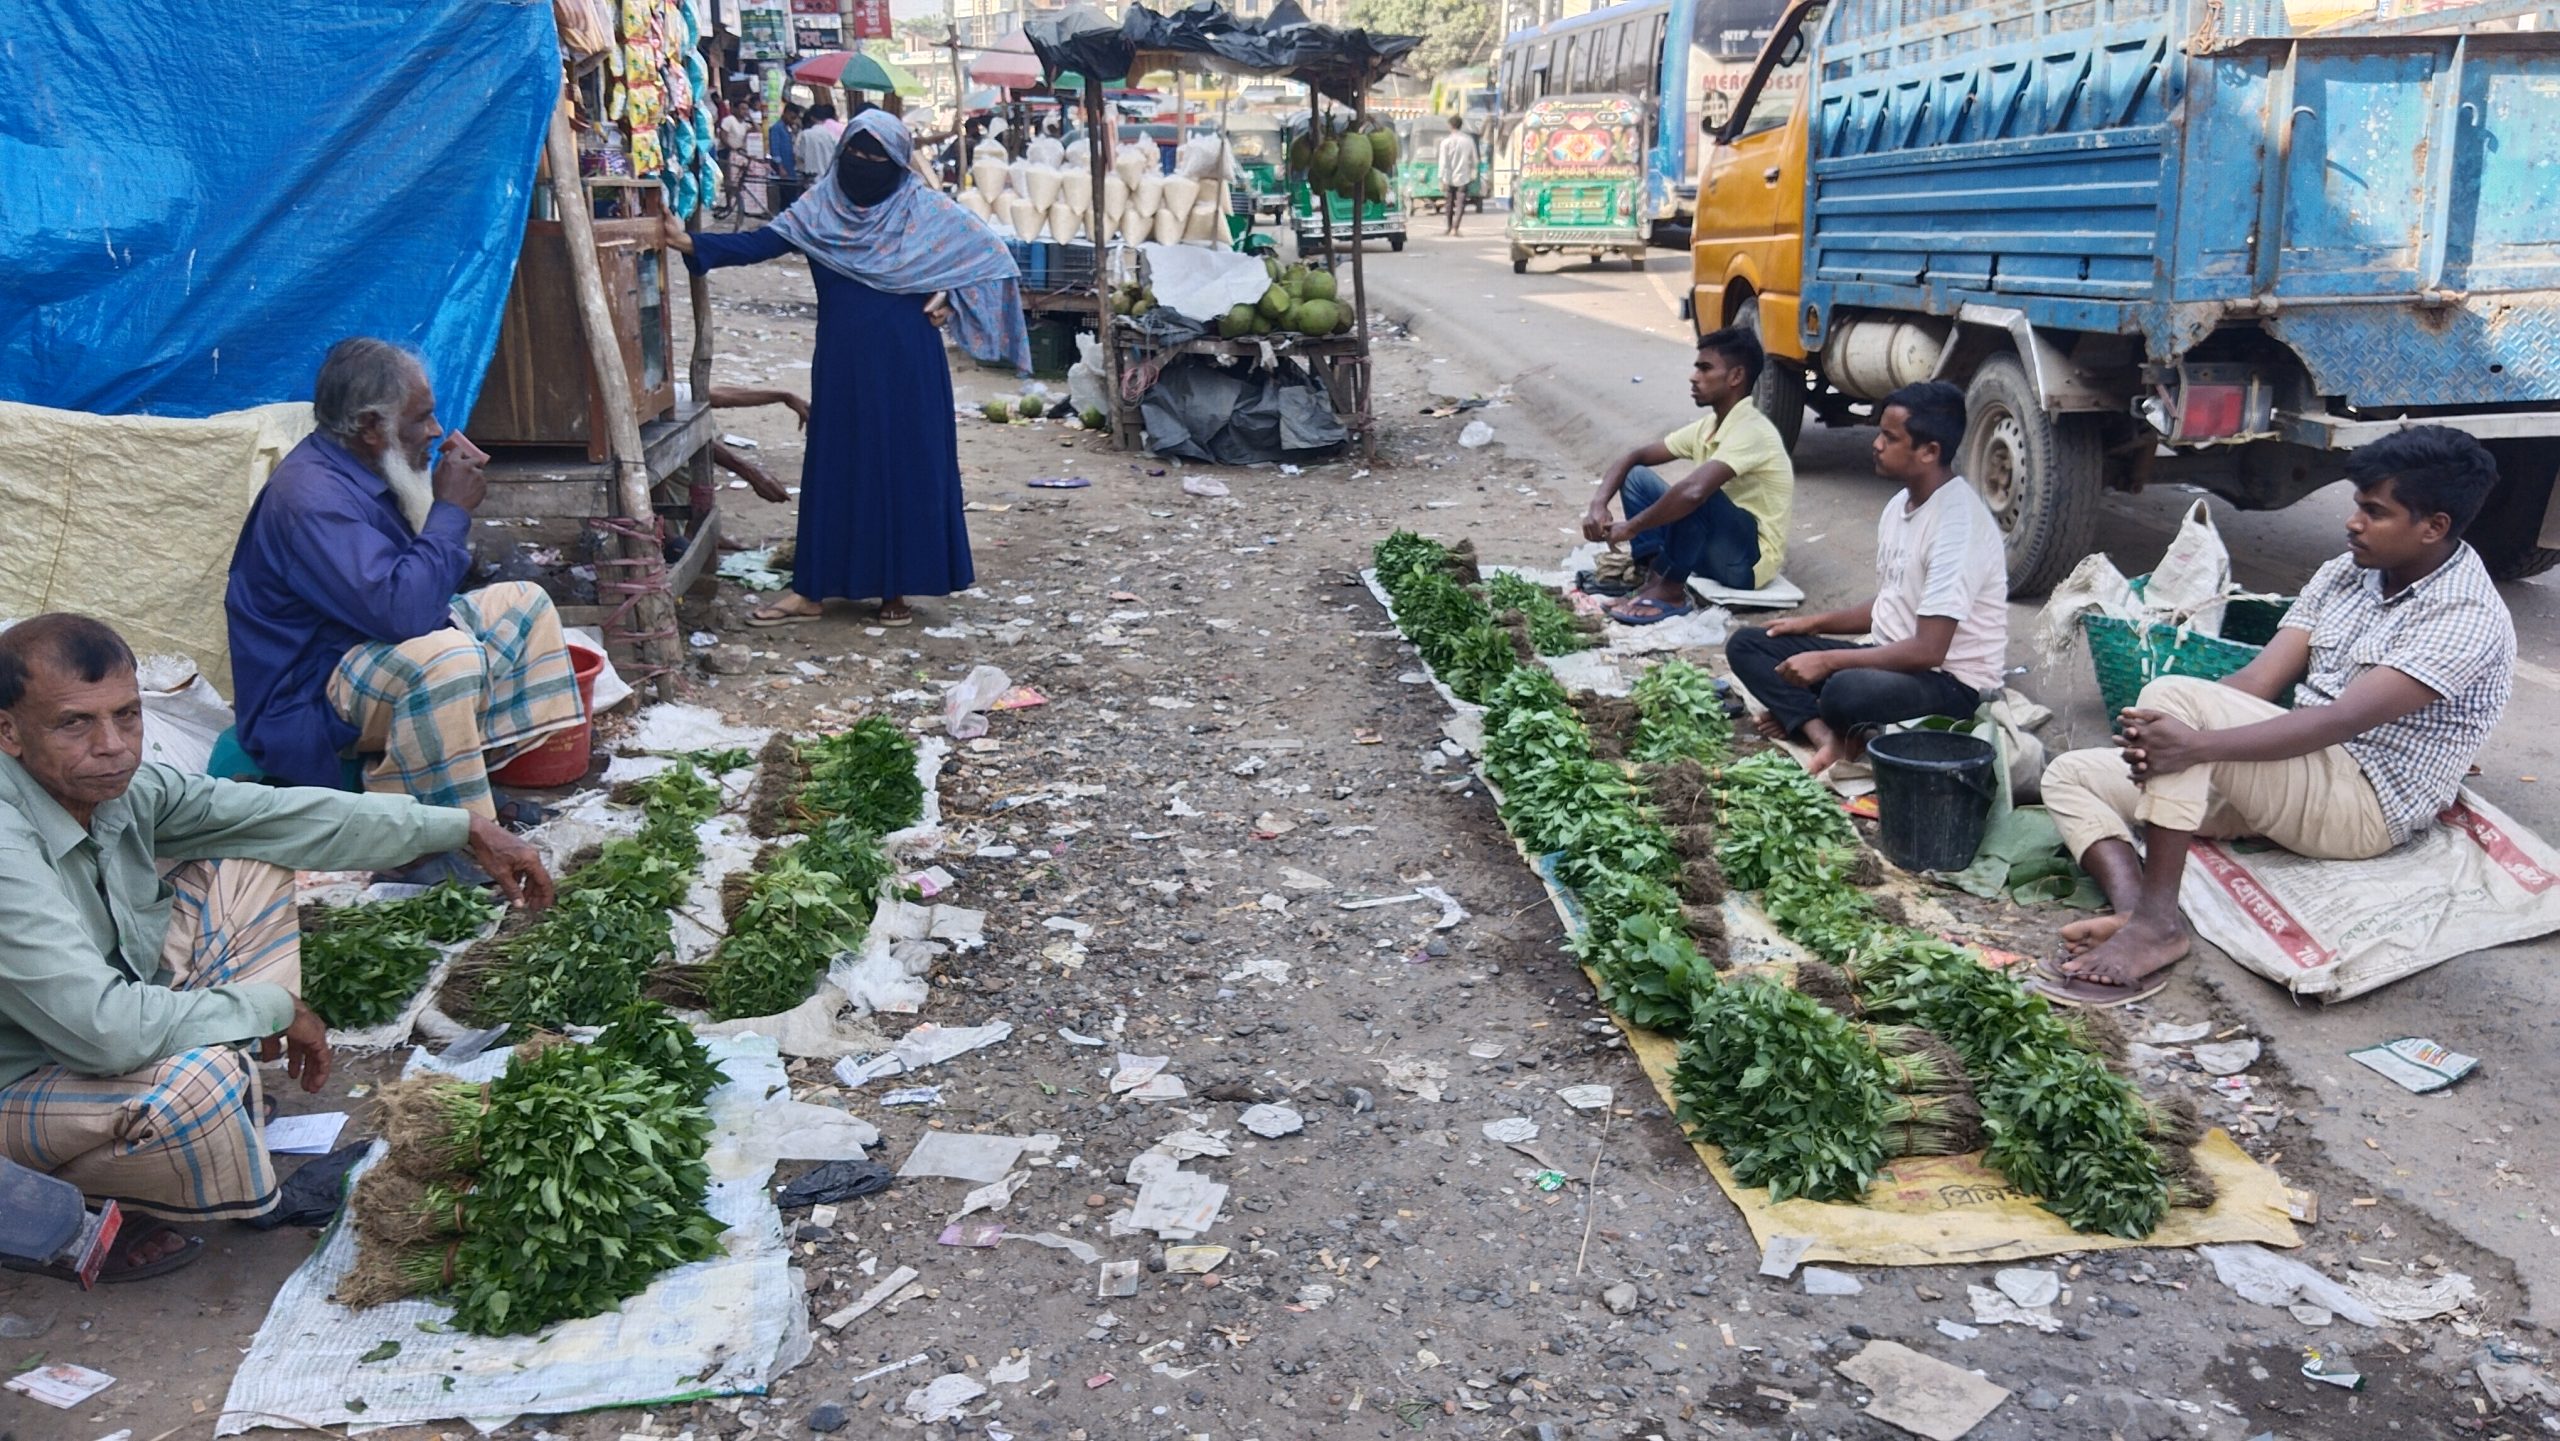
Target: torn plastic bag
{"points": [[1247, 415], [834, 1181], [312, 1195]]}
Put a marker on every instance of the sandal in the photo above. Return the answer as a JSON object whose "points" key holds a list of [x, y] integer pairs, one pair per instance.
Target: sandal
{"points": [[902, 618], [1645, 610], [113, 1273], [2081, 993], [766, 618]]}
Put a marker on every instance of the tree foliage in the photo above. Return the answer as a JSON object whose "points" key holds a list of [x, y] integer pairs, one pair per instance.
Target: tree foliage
{"points": [[1454, 32]]}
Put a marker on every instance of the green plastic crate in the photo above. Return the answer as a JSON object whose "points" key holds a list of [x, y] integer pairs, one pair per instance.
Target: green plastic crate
{"points": [[2128, 657]]}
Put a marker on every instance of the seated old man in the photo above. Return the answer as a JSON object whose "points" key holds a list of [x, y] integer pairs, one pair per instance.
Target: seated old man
{"points": [[128, 1004], [2401, 658], [347, 636]]}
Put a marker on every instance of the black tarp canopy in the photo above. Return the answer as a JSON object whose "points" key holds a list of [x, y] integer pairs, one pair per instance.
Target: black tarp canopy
{"points": [[1338, 63]]}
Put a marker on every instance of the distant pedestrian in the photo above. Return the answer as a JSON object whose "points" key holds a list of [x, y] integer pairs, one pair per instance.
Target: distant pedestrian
{"points": [[1459, 157], [815, 149]]}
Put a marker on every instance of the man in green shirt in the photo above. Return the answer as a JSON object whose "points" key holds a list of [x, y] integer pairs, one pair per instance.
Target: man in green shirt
{"points": [[128, 1001], [1727, 518]]}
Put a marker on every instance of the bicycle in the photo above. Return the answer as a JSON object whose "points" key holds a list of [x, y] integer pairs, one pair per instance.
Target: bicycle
{"points": [[759, 192]]}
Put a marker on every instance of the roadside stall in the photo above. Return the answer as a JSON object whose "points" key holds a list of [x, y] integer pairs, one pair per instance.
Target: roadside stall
{"points": [[1300, 326]]}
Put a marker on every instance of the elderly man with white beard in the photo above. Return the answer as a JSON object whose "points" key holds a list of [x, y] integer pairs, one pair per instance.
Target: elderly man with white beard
{"points": [[348, 638]]}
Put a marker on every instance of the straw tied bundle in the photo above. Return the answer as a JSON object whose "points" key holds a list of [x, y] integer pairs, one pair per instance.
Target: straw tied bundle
{"points": [[550, 1193]]}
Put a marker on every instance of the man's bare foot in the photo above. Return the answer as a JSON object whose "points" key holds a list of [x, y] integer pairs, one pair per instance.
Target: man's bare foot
{"points": [[2080, 936], [1766, 723], [2137, 948]]}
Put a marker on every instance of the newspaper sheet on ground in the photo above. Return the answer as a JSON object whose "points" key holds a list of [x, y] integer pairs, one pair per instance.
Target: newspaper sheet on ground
{"points": [[714, 1328], [2337, 929]]}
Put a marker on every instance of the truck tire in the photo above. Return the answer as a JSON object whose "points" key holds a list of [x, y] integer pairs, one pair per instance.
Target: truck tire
{"points": [[2511, 521], [2039, 473], [1781, 392]]}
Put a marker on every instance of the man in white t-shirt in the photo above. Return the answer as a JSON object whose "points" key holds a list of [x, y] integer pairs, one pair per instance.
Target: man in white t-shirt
{"points": [[1940, 617], [1458, 158]]}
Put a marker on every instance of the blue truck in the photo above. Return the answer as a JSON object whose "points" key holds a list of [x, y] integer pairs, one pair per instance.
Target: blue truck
{"points": [[2218, 242]]}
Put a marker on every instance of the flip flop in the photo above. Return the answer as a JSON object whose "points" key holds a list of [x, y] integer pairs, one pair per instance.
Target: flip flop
{"points": [[113, 1275], [1662, 611], [1593, 583], [2066, 990], [767, 620], [895, 621]]}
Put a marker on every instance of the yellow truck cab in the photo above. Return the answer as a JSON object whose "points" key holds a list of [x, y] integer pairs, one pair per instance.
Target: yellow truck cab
{"points": [[1748, 239]]}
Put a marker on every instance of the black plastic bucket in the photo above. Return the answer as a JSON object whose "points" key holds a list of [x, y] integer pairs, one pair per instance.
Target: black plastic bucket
{"points": [[1933, 797]]}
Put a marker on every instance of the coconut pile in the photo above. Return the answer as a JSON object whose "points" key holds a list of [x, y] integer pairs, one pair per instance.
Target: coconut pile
{"points": [[1355, 162], [1047, 194]]}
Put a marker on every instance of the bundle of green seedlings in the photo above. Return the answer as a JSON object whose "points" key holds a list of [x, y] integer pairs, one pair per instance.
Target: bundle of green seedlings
{"points": [[551, 1193], [1537, 617], [1453, 629], [865, 773], [1797, 1098], [583, 962], [1680, 717], [361, 964], [801, 907], [2058, 1122]]}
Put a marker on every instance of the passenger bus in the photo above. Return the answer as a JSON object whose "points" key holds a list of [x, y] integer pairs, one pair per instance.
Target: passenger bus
{"points": [[1683, 60]]}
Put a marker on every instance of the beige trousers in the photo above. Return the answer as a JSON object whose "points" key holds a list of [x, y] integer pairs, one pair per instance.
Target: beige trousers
{"points": [[2319, 805]]}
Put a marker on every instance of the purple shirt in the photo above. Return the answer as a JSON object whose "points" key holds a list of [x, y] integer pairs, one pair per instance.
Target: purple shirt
{"points": [[325, 563]]}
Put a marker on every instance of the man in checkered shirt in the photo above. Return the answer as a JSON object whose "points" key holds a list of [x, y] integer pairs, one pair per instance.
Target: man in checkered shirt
{"points": [[2401, 658]]}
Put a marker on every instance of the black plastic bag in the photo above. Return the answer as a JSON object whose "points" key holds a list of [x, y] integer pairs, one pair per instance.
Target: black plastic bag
{"points": [[1245, 415]]}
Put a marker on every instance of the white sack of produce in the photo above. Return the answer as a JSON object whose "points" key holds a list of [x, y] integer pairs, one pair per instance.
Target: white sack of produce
{"points": [[1148, 195], [1078, 190], [1026, 217], [1133, 226], [1080, 157], [1017, 177], [1062, 222], [1168, 226], [1115, 197], [1202, 157], [1045, 151], [989, 149], [1203, 225], [989, 177], [1179, 192], [1131, 164], [1043, 184], [976, 204]]}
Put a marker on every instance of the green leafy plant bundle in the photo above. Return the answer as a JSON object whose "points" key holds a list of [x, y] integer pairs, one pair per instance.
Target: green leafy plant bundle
{"points": [[1680, 716], [1553, 630], [1776, 819], [361, 964], [796, 919], [866, 774], [1796, 1099]]}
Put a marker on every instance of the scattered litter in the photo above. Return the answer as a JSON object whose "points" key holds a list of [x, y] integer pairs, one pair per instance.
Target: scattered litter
{"points": [[946, 1395], [975, 1235], [1376, 901], [1992, 1308], [1194, 1260], [61, 1385], [1260, 968], [1068, 1244], [1207, 487], [1075, 928], [834, 1181], [2400, 1298], [1010, 1373], [1823, 1281], [887, 1286], [1292, 878], [965, 704], [1783, 1254], [1117, 1278], [1272, 1121], [2256, 1274], [1486, 1050], [1059, 482], [2509, 1379], [1420, 1077], [2170, 1033], [913, 1096], [2228, 1058], [2332, 1368], [1178, 1206], [1586, 1098], [974, 1158], [1079, 1038], [315, 1134], [1921, 1394], [1476, 436], [2416, 1063], [1097, 1382], [1511, 1130], [1956, 1330], [2310, 1315], [876, 1372], [2028, 1286], [992, 1196], [1315, 1295], [926, 1045], [1451, 913]]}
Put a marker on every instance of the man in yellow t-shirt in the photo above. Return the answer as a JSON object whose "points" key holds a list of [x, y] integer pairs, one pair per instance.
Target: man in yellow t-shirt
{"points": [[1727, 518]]}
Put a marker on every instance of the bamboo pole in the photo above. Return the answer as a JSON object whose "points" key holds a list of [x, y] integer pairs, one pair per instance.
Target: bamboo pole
{"points": [[1098, 134], [1360, 296], [655, 610]]}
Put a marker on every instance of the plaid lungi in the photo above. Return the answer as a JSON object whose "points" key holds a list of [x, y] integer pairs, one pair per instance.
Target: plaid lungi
{"points": [[445, 709], [180, 1139]]}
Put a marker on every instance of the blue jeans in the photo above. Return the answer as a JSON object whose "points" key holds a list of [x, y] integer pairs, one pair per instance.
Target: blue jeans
{"points": [[1719, 540]]}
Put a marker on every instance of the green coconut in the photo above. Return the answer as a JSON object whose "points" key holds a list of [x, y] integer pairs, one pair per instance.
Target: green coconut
{"points": [[1328, 162], [1094, 419], [1356, 154], [1318, 286], [1302, 151], [1377, 185], [1343, 318], [1237, 321], [1032, 407], [997, 411], [1275, 302], [1316, 317], [1261, 324], [1382, 148]]}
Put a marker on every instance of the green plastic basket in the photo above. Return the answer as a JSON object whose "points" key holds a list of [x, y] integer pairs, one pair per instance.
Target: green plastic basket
{"points": [[2128, 657]]}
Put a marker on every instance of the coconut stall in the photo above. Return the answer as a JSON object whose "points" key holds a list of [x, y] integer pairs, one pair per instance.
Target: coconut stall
{"points": [[1215, 352]]}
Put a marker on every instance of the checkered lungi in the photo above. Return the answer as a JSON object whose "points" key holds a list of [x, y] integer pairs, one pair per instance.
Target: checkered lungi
{"points": [[181, 1139], [445, 709]]}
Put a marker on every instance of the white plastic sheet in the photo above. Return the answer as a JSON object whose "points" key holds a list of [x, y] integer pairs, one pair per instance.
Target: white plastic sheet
{"points": [[1201, 282]]}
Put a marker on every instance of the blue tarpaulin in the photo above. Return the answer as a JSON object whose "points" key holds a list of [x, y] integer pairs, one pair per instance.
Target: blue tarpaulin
{"points": [[197, 199]]}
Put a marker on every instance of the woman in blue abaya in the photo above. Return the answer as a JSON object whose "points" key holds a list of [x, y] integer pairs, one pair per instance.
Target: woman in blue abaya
{"points": [[880, 487]]}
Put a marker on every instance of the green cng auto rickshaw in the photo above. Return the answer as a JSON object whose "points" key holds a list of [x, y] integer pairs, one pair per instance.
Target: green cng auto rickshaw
{"points": [[1262, 189], [1581, 180], [1418, 165]]}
